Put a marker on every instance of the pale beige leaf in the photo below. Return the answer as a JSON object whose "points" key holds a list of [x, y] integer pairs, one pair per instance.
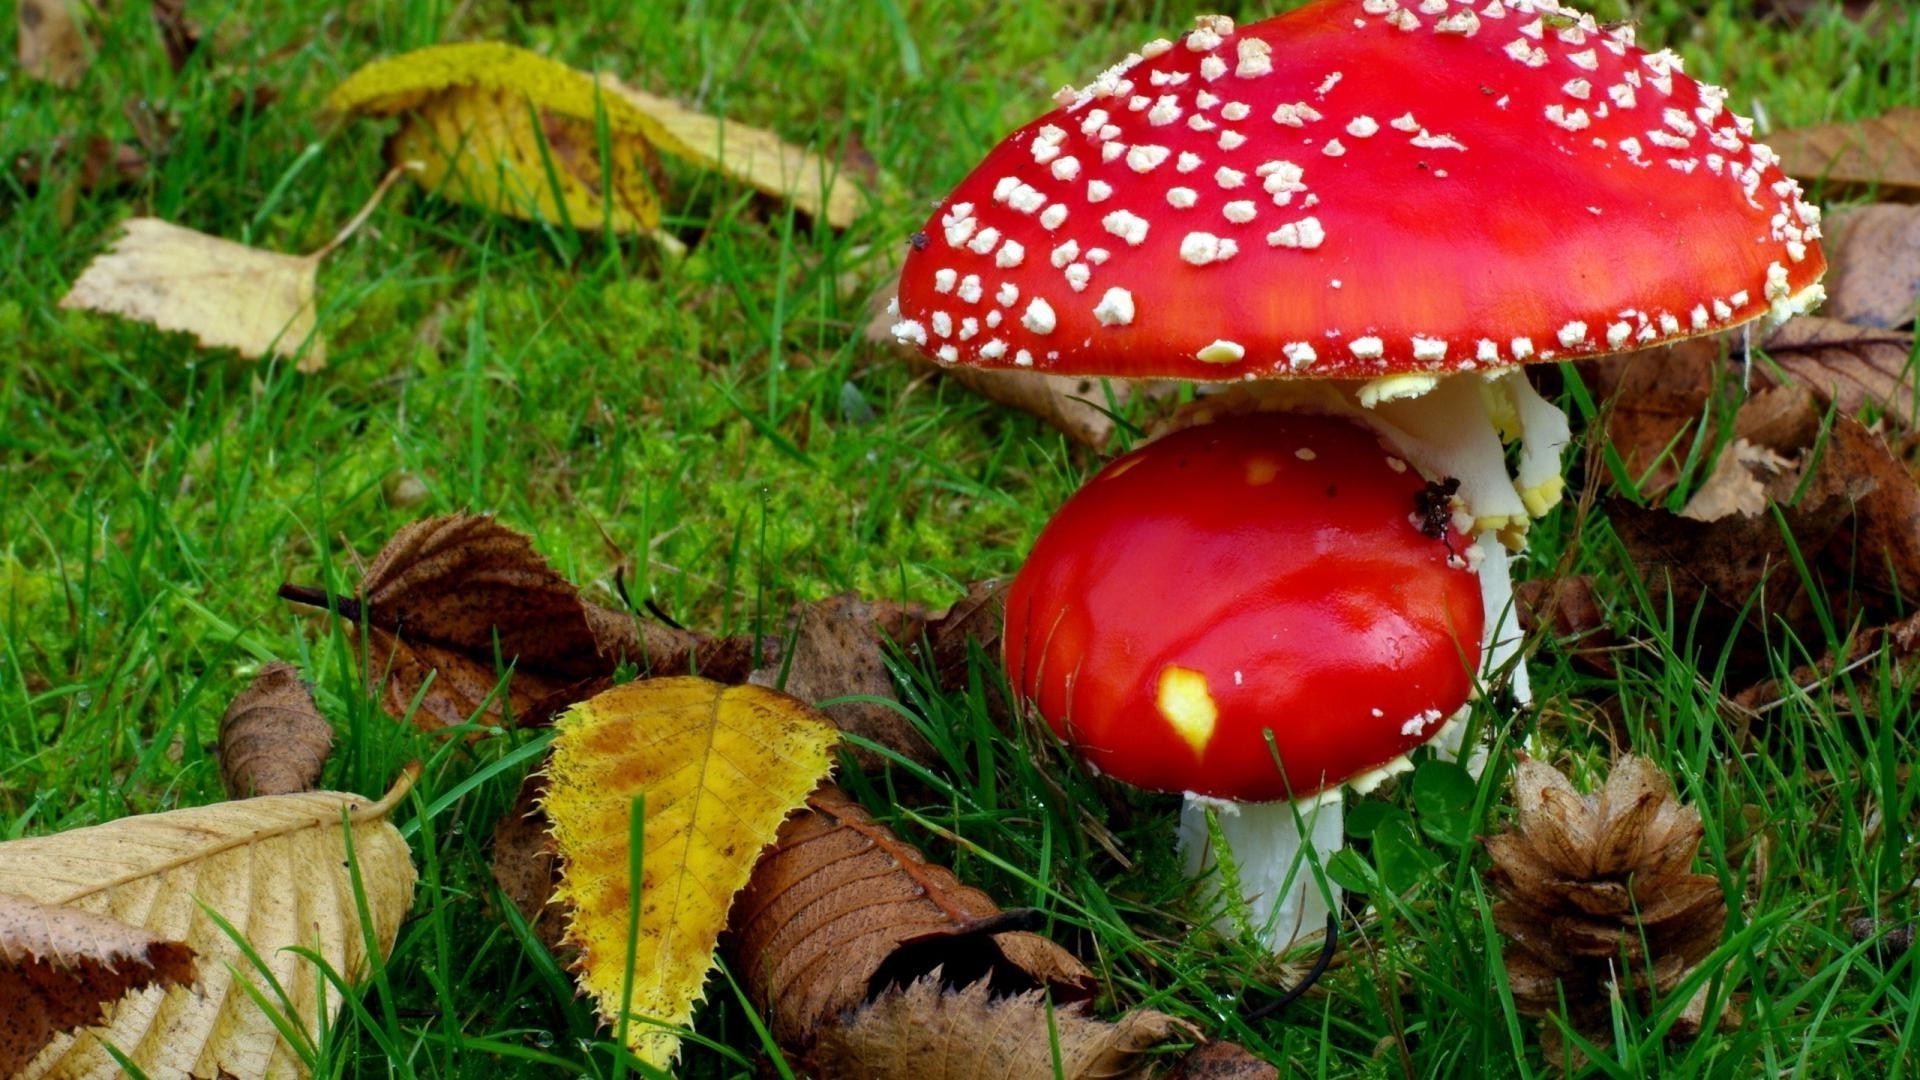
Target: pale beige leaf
{"points": [[1738, 483], [227, 295], [276, 868], [52, 46], [1877, 152], [754, 156]]}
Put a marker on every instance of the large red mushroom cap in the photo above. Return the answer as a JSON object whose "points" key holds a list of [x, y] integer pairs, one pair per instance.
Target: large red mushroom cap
{"points": [[1279, 572], [1362, 188]]}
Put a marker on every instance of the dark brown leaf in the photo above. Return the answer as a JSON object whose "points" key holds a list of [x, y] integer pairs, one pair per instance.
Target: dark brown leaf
{"points": [[1578, 623], [60, 967], [930, 1032], [1874, 257], [273, 740], [91, 164], [1658, 396], [1881, 153], [840, 908], [526, 866], [459, 599], [1851, 366], [838, 651], [974, 619]]}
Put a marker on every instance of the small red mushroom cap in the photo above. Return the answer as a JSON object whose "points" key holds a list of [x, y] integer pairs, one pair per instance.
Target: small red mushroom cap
{"points": [[1275, 572], [1362, 188]]}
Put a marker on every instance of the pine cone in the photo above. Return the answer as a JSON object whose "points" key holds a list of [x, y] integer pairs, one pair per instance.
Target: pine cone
{"points": [[1595, 892]]}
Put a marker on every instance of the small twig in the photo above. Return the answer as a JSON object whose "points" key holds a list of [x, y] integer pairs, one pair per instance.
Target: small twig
{"points": [[346, 607]]}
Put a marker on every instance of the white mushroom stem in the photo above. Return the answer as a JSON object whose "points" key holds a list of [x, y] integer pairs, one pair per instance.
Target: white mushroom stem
{"points": [[1284, 889]]}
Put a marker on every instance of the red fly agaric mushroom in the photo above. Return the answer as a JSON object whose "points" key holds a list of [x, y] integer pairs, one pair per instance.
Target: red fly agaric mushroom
{"points": [[1393, 206], [1255, 612]]}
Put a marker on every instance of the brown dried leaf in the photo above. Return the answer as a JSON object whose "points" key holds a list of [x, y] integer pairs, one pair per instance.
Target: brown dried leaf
{"points": [[91, 164], [52, 47], [838, 651], [1851, 366], [840, 908], [1878, 152], [1874, 256], [1783, 419], [526, 866], [1737, 484], [974, 619], [273, 740], [926, 1032], [178, 34], [455, 598], [1222, 1061], [1578, 622], [60, 967], [1658, 397]]}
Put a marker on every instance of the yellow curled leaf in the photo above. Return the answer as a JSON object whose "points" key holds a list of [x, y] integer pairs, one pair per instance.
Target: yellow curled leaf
{"points": [[718, 768], [513, 132]]}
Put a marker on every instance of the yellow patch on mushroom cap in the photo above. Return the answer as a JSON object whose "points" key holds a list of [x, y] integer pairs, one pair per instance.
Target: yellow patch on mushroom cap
{"points": [[1261, 470], [1187, 703]]}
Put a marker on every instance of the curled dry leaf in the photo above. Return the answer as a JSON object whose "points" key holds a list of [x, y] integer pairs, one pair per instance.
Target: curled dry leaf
{"points": [[1587, 882], [1223, 1061], [714, 769], [227, 295], [837, 650], [840, 908], [51, 46], [526, 866], [930, 1032], [273, 740], [60, 967], [1737, 484], [1880, 153], [452, 599], [519, 134], [156, 871], [1874, 255], [1851, 366]]}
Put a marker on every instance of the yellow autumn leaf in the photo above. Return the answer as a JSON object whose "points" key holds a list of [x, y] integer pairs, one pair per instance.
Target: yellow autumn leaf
{"points": [[276, 870], [718, 768], [519, 133]]}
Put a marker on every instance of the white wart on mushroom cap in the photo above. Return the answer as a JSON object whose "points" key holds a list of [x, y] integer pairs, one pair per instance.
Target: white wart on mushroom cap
{"points": [[1359, 189]]}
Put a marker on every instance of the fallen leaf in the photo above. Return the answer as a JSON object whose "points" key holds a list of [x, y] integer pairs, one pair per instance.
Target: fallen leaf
{"points": [[526, 866], [840, 908], [1873, 255], [92, 164], [449, 600], [1851, 366], [59, 969], [714, 770], [1659, 396], [52, 47], [273, 740], [1854, 519], [1578, 623], [1897, 643], [519, 133], [837, 650], [226, 295], [178, 34], [973, 621], [753, 156], [1222, 1061], [1881, 153], [1737, 484], [276, 868], [928, 1032]]}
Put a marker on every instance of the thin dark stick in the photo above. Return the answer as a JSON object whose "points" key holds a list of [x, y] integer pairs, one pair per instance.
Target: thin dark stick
{"points": [[1312, 976], [661, 615], [344, 606]]}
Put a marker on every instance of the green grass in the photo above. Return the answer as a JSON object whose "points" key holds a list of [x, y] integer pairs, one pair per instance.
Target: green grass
{"points": [[624, 410]]}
